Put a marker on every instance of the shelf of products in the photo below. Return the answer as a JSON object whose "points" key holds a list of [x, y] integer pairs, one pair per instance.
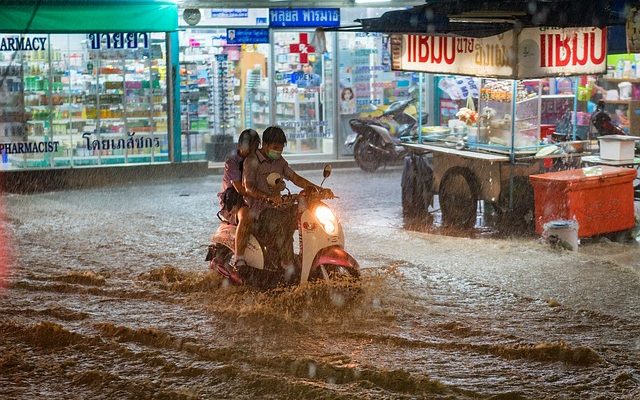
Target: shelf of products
{"points": [[622, 102], [94, 103], [195, 83], [224, 96]]}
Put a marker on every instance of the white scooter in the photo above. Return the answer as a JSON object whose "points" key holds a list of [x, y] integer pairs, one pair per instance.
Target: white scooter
{"points": [[321, 244]]}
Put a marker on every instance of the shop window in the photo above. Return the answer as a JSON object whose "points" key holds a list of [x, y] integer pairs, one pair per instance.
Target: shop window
{"points": [[85, 99], [223, 90], [304, 98], [367, 85]]}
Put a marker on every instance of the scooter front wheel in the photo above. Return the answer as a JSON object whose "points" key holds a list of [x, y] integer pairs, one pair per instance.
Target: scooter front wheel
{"points": [[331, 272]]}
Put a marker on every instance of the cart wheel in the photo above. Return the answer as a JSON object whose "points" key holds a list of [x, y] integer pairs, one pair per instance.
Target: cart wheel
{"points": [[521, 217], [417, 189], [459, 190], [368, 158]]}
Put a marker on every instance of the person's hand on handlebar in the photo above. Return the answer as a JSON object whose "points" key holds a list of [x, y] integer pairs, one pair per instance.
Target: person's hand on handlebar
{"points": [[275, 199], [327, 194]]}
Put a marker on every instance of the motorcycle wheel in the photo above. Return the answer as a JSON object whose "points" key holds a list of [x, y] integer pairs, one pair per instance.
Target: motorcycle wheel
{"points": [[367, 158]]}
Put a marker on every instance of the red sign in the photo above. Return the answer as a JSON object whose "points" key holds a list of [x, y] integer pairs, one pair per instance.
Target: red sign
{"points": [[303, 48]]}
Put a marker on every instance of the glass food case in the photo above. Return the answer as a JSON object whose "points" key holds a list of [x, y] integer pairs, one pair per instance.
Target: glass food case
{"points": [[508, 116]]}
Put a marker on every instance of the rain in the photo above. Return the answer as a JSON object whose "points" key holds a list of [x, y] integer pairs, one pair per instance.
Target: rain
{"points": [[120, 303]]}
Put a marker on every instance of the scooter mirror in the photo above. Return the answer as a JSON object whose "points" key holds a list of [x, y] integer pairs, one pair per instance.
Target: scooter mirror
{"points": [[326, 172]]}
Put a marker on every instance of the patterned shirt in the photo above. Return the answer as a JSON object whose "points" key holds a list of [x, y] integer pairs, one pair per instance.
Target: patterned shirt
{"points": [[232, 172], [256, 169]]}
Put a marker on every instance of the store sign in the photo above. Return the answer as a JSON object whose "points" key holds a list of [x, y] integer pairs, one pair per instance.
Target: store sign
{"points": [[490, 56], [561, 51], [16, 43], [541, 52], [234, 17], [247, 36], [29, 147], [118, 40], [304, 17], [229, 13]]}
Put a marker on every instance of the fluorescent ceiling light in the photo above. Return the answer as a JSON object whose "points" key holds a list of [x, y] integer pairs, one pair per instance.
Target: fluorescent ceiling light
{"points": [[372, 1]]}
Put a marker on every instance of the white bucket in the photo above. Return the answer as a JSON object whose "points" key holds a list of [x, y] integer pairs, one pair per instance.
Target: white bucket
{"points": [[565, 231]]}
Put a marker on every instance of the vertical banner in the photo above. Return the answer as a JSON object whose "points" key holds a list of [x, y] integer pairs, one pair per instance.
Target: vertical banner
{"points": [[633, 30]]}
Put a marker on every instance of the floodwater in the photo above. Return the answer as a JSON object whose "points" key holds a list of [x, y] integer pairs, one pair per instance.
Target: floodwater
{"points": [[109, 297]]}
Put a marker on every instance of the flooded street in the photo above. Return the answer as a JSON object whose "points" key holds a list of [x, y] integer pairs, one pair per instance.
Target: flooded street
{"points": [[110, 297]]}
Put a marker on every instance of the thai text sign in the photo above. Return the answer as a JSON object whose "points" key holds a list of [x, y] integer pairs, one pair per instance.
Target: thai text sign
{"points": [[540, 52], [304, 17], [561, 51], [247, 36], [118, 40], [490, 56]]}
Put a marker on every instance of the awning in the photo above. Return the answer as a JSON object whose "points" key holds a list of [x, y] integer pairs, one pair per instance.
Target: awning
{"points": [[491, 17], [78, 16]]}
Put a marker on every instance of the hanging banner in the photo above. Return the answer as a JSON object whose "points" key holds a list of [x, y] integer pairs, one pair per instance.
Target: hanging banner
{"points": [[633, 30], [304, 17], [541, 52], [491, 56], [561, 52]]}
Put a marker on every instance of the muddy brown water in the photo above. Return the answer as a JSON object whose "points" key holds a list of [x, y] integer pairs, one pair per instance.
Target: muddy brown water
{"points": [[108, 297]]}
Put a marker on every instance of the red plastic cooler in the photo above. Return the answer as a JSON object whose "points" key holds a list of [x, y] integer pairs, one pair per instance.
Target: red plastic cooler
{"points": [[599, 198]]}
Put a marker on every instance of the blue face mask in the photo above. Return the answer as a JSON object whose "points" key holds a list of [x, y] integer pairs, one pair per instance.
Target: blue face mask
{"points": [[274, 154]]}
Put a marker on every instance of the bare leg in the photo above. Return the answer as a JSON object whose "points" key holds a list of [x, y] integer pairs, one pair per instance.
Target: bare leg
{"points": [[242, 231]]}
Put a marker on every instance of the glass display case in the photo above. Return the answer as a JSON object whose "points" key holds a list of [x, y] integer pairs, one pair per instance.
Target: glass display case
{"points": [[509, 115], [86, 102]]}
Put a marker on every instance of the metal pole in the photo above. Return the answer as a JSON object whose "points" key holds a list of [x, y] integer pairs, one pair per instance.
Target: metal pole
{"points": [[420, 83], [337, 134], [174, 132]]}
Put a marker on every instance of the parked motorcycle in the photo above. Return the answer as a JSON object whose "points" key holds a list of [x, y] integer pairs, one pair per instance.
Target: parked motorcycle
{"points": [[376, 141], [321, 243]]}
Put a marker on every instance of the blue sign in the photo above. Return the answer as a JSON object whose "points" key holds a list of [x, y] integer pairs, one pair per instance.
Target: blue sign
{"points": [[247, 36], [304, 17], [229, 13]]}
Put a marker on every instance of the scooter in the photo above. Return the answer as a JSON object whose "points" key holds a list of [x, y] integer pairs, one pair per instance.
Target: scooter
{"points": [[321, 243], [376, 141]]}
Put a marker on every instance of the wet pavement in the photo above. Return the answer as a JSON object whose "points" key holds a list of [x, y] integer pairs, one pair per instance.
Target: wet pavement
{"points": [[109, 297]]}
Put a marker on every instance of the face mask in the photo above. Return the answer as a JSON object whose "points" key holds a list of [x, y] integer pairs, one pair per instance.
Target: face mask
{"points": [[274, 154]]}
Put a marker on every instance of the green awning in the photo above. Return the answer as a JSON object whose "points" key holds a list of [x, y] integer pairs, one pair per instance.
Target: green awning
{"points": [[75, 16]]}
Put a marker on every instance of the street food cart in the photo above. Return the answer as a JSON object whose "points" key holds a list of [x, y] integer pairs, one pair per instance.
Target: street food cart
{"points": [[491, 156]]}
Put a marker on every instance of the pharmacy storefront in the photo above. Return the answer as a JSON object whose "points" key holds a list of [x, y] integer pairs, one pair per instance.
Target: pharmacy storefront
{"points": [[86, 85], [251, 68]]}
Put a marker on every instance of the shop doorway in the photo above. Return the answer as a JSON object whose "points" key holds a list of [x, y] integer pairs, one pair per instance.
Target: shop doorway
{"points": [[304, 91]]}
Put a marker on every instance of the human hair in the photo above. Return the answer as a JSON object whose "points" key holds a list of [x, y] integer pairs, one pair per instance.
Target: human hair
{"points": [[249, 136], [274, 134], [344, 91]]}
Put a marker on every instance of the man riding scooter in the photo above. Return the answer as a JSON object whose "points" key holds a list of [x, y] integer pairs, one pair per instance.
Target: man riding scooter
{"points": [[263, 198]]}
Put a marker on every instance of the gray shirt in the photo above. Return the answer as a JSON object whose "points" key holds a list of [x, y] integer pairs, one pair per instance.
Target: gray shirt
{"points": [[256, 168]]}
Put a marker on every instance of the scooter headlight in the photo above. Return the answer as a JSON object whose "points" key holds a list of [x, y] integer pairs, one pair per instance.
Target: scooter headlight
{"points": [[326, 219]]}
